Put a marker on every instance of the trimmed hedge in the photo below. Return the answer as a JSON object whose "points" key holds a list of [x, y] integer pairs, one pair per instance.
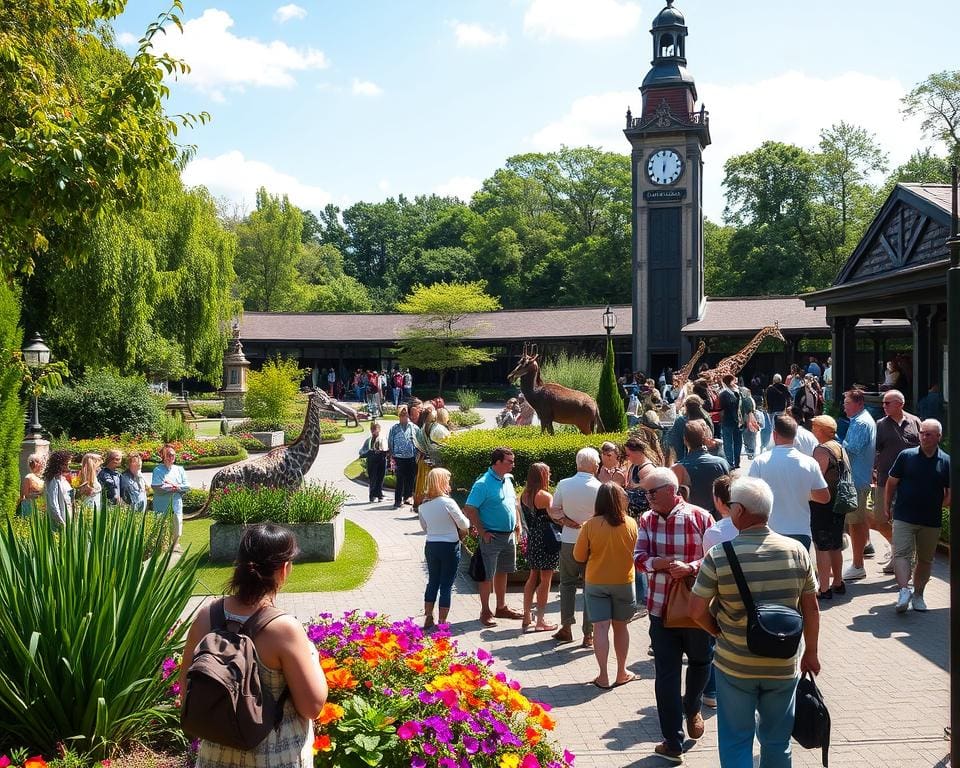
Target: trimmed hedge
{"points": [[467, 454], [465, 418]]}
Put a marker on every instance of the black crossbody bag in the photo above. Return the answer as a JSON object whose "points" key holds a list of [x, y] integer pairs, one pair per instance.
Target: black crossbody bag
{"points": [[773, 630]]}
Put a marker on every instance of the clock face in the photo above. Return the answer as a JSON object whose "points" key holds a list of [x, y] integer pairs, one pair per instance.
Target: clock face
{"points": [[664, 166]]}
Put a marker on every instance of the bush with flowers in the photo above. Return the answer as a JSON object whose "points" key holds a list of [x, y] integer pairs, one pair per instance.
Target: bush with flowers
{"points": [[402, 699], [190, 453]]}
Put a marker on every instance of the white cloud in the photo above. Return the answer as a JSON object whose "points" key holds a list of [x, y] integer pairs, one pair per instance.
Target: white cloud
{"points": [[383, 185], [126, 38], [476, 36], [365, 88], [219, 59], [458, 186], [286, 13], [579, 20], [238, 178], [741, 118]]}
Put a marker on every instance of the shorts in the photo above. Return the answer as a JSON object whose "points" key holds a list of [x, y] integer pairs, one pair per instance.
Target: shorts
{"points": [[609, 601], [909, 538], [864, 511], [500, 555], [176, 521], [879, 503]]}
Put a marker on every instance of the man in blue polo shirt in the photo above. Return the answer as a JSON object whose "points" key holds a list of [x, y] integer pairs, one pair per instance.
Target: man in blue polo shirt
{"points": [[492, 509], [922, 475]]}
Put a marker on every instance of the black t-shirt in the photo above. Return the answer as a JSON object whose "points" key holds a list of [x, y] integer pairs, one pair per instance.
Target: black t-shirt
{"points": [[777, 396], [923, 480], [730, 407]]}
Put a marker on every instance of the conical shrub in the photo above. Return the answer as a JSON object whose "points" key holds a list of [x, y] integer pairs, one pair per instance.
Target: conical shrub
{"points": [[609, 402]]}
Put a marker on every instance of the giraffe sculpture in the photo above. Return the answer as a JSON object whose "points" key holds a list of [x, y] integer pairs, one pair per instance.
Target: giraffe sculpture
{"points": [[281, 468], [735, 362], [683, 375]]}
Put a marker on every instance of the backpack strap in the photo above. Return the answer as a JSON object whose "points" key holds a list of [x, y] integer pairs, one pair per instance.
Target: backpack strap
{"points": [[251, 628], [218, 615], [738, 577]]}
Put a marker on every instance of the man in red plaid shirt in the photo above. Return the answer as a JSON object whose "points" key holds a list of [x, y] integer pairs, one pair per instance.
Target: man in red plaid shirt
{"points": [[670, 546]]}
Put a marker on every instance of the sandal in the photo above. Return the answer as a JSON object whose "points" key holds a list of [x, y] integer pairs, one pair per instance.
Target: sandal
{"points": [[545, 628]]}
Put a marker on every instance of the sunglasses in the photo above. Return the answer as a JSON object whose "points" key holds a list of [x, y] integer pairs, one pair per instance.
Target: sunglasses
{"points": [[658, 488]]}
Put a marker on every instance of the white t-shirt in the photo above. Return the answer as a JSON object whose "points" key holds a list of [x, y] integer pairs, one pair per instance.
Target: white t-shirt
{"points": [[441, 518], [576, 497], [804, 442], [792, 476], [721, 531]]}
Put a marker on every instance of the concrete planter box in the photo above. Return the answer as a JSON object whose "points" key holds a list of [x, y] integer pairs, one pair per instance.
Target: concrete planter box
{"points": [[319, 542], [269, 439]]}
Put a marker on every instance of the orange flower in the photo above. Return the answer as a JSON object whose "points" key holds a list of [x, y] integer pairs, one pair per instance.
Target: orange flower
{"points": [[341, 678], [327, 663], [36, 761], [322, 744], [415, 663], [533, 736], [330, 713]]}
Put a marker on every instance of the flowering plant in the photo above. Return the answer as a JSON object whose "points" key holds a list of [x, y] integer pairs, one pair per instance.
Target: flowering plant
{"points": [[401, 699]]}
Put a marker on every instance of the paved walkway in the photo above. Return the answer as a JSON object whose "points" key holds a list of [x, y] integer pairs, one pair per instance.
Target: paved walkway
{"points": [[884, 675]]}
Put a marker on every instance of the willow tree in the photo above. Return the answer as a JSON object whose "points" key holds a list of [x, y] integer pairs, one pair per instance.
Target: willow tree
{"points": [[445, 319]]}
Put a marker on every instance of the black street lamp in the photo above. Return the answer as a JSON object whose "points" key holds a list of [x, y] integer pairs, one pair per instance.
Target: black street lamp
{"points": [[35, 356], [609, 320], [953, 430]]}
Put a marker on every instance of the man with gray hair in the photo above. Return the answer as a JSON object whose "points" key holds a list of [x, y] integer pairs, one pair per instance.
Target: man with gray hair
{"points": [[776, 569], [573, 504], [920, 480]]}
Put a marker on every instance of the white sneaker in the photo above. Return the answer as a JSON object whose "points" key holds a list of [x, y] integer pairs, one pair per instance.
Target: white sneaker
{"points": [[903, 601], [710, 701], [846, 542], [919, 604], [852, 573]]}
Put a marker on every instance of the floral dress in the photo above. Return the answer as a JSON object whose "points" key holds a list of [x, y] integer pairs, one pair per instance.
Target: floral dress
{"points": [[540, 555]]}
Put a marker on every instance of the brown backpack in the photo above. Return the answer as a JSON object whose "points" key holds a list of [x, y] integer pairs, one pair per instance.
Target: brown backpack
{"points": [[225, 700]]}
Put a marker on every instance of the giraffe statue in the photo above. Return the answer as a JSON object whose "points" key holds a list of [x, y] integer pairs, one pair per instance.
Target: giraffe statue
{"points": [[281, 468], [680, 377], [735, 362]]}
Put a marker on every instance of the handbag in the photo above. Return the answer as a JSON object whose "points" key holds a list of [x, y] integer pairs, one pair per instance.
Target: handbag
{"points": [[676, 613], [551, 537], [811, 720], [476, 570], [773, 630], [845, 499]]}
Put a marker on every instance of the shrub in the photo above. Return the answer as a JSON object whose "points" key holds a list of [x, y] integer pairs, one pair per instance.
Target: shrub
{"points": [[467, 399], [207, 410], [465, 418], [272, 390], [467, 454], [579, 372], [11, 406], [193, 500], [313, 503], [101, 403], [256, 425], [609, 403], [85, 628], [172, 428]]}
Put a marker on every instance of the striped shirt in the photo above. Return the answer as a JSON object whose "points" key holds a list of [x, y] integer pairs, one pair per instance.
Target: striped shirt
{"points": [[678, 536], [777, 569]]}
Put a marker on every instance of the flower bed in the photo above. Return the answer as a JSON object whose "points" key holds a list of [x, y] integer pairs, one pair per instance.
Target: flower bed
{"points": [[330, 431], [311, 503], [190, 453], [400, 699]]}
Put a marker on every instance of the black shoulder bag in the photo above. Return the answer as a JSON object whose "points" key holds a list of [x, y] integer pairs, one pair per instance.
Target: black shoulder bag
{"points": [[773, 630]]}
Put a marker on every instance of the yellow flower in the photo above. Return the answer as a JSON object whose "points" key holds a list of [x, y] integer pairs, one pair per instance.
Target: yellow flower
{"points": [[510, 760]]}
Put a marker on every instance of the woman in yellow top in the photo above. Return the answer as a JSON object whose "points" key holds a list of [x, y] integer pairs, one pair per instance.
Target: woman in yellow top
{"points": [[606, 543]]}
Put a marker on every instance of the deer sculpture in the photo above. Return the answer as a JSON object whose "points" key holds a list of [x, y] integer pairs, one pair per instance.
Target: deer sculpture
{"points": [[553, 402]]}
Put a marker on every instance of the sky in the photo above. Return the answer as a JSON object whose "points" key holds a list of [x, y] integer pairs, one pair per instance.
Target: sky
{"points": [[341, 101]]}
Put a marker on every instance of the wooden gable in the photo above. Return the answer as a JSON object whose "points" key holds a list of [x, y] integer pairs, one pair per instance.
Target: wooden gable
{"points": [[909, 231]]}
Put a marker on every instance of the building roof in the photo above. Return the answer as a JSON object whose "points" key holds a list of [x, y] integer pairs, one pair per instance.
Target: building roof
{"points": [[937, 194]]}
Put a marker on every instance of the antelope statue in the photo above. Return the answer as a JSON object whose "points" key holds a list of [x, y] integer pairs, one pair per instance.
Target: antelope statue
{"points": [[553, 402]]}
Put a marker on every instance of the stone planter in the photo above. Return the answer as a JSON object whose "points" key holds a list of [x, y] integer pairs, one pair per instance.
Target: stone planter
{"points": [[270, 440], [319, 542]]}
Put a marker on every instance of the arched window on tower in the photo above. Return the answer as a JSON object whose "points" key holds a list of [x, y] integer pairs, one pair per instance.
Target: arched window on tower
{"points": [[667, 46]]}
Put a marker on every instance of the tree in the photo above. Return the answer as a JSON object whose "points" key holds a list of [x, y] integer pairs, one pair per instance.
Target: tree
{"points": [[268, 247], [937, 101], [435, 341], [922, 166], [11, 404], [272, 390], [609, 403], [721, 276]]}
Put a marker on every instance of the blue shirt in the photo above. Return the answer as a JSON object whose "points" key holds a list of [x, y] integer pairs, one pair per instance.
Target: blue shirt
{"points": [[495, 500], [166, 500], [860, 443], [703, 469], [923, 480], [402, 440]]}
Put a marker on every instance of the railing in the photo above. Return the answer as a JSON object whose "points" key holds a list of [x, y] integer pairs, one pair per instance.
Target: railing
{"points": [[669, 118]]}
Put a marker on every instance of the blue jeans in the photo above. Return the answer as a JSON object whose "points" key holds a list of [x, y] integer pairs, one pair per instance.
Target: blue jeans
{"points": [[767, 430], [711, 687], [732, 444], [640, 585], [443, 560], [669, 646], [739, 700]]}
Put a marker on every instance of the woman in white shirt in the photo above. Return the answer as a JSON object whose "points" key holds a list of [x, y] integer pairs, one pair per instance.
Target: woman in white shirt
{"points": [[445, 525]]}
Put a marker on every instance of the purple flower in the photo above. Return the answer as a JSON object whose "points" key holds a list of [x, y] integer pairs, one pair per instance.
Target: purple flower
{"points": [[408, 730], [483, 655], [568, 757], [447, 762], [417, 762], [388, 691], [371, 614], [471, 745], [429, 748], [489, 746], [426, 697]]}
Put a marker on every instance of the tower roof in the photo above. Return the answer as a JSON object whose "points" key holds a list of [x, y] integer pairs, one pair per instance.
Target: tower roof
{"points": [[669, 17]]}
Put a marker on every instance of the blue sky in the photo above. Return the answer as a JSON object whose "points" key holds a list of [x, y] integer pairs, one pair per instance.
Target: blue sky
{"points": [[341, 101]]}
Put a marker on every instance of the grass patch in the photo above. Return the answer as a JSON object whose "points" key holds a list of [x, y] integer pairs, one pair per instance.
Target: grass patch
{"points": [[206, 428], [349, 571], [357, 472]]}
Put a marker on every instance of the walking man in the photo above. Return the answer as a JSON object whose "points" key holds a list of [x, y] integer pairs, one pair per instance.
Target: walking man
{"points": [[670, 546], [730, 423], [755, 694], [919, 480], [402, 442], [860, 444], [492, 510], [573, 504]]}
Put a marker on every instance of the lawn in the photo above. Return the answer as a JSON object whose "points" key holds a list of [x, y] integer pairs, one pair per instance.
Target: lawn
{"points": [[349, 571], [356, 471]]}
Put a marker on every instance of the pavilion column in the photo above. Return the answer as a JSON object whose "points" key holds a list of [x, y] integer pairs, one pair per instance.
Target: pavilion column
{"points": [[844, 342], [920, 316]]}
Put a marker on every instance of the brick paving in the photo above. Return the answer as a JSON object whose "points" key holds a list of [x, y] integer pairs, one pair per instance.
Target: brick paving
{"points": [[884, 675]]}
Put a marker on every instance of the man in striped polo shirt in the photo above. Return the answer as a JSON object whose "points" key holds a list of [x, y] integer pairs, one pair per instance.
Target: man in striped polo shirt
{"points": [[777, 569]]}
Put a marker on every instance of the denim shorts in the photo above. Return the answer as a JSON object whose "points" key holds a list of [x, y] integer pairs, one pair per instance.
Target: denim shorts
{"points": [[609, 601], [500, 555]]}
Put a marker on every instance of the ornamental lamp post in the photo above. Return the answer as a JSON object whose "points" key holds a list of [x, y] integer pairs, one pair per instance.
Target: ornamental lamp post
{"points": [[953, 430], [35, 356], [609, 320]]}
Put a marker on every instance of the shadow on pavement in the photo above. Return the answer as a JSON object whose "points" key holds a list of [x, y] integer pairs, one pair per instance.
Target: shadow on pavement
{"points": [[922, 633]]}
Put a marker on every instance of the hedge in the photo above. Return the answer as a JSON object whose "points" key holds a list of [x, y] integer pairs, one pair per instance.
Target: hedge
{"points": [[467, 454]]}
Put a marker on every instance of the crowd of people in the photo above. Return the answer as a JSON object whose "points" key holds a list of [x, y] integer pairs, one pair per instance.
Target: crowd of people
{"points": [[374, 387]]}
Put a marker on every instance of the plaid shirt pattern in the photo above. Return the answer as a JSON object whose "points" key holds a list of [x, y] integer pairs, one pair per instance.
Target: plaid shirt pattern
{"points": [[678, 536]]}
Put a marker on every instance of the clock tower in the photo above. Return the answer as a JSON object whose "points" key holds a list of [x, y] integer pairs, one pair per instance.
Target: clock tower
{"points": [[667, 138]]}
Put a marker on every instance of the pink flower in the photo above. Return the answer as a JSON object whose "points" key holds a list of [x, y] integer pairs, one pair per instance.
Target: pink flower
{"points": [[530, 761], [408, 730], [4, 761]]}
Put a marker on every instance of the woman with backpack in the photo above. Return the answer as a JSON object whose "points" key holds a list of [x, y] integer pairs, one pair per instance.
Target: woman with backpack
{"points": [[288, 664]]}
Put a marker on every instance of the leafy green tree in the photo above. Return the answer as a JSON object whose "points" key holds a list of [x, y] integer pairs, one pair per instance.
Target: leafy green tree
{"points": [[721, 276], [922, 166], [11, 404], [937, 101], [268, 248], [609, 403], [272, 390], [436, 341]]}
